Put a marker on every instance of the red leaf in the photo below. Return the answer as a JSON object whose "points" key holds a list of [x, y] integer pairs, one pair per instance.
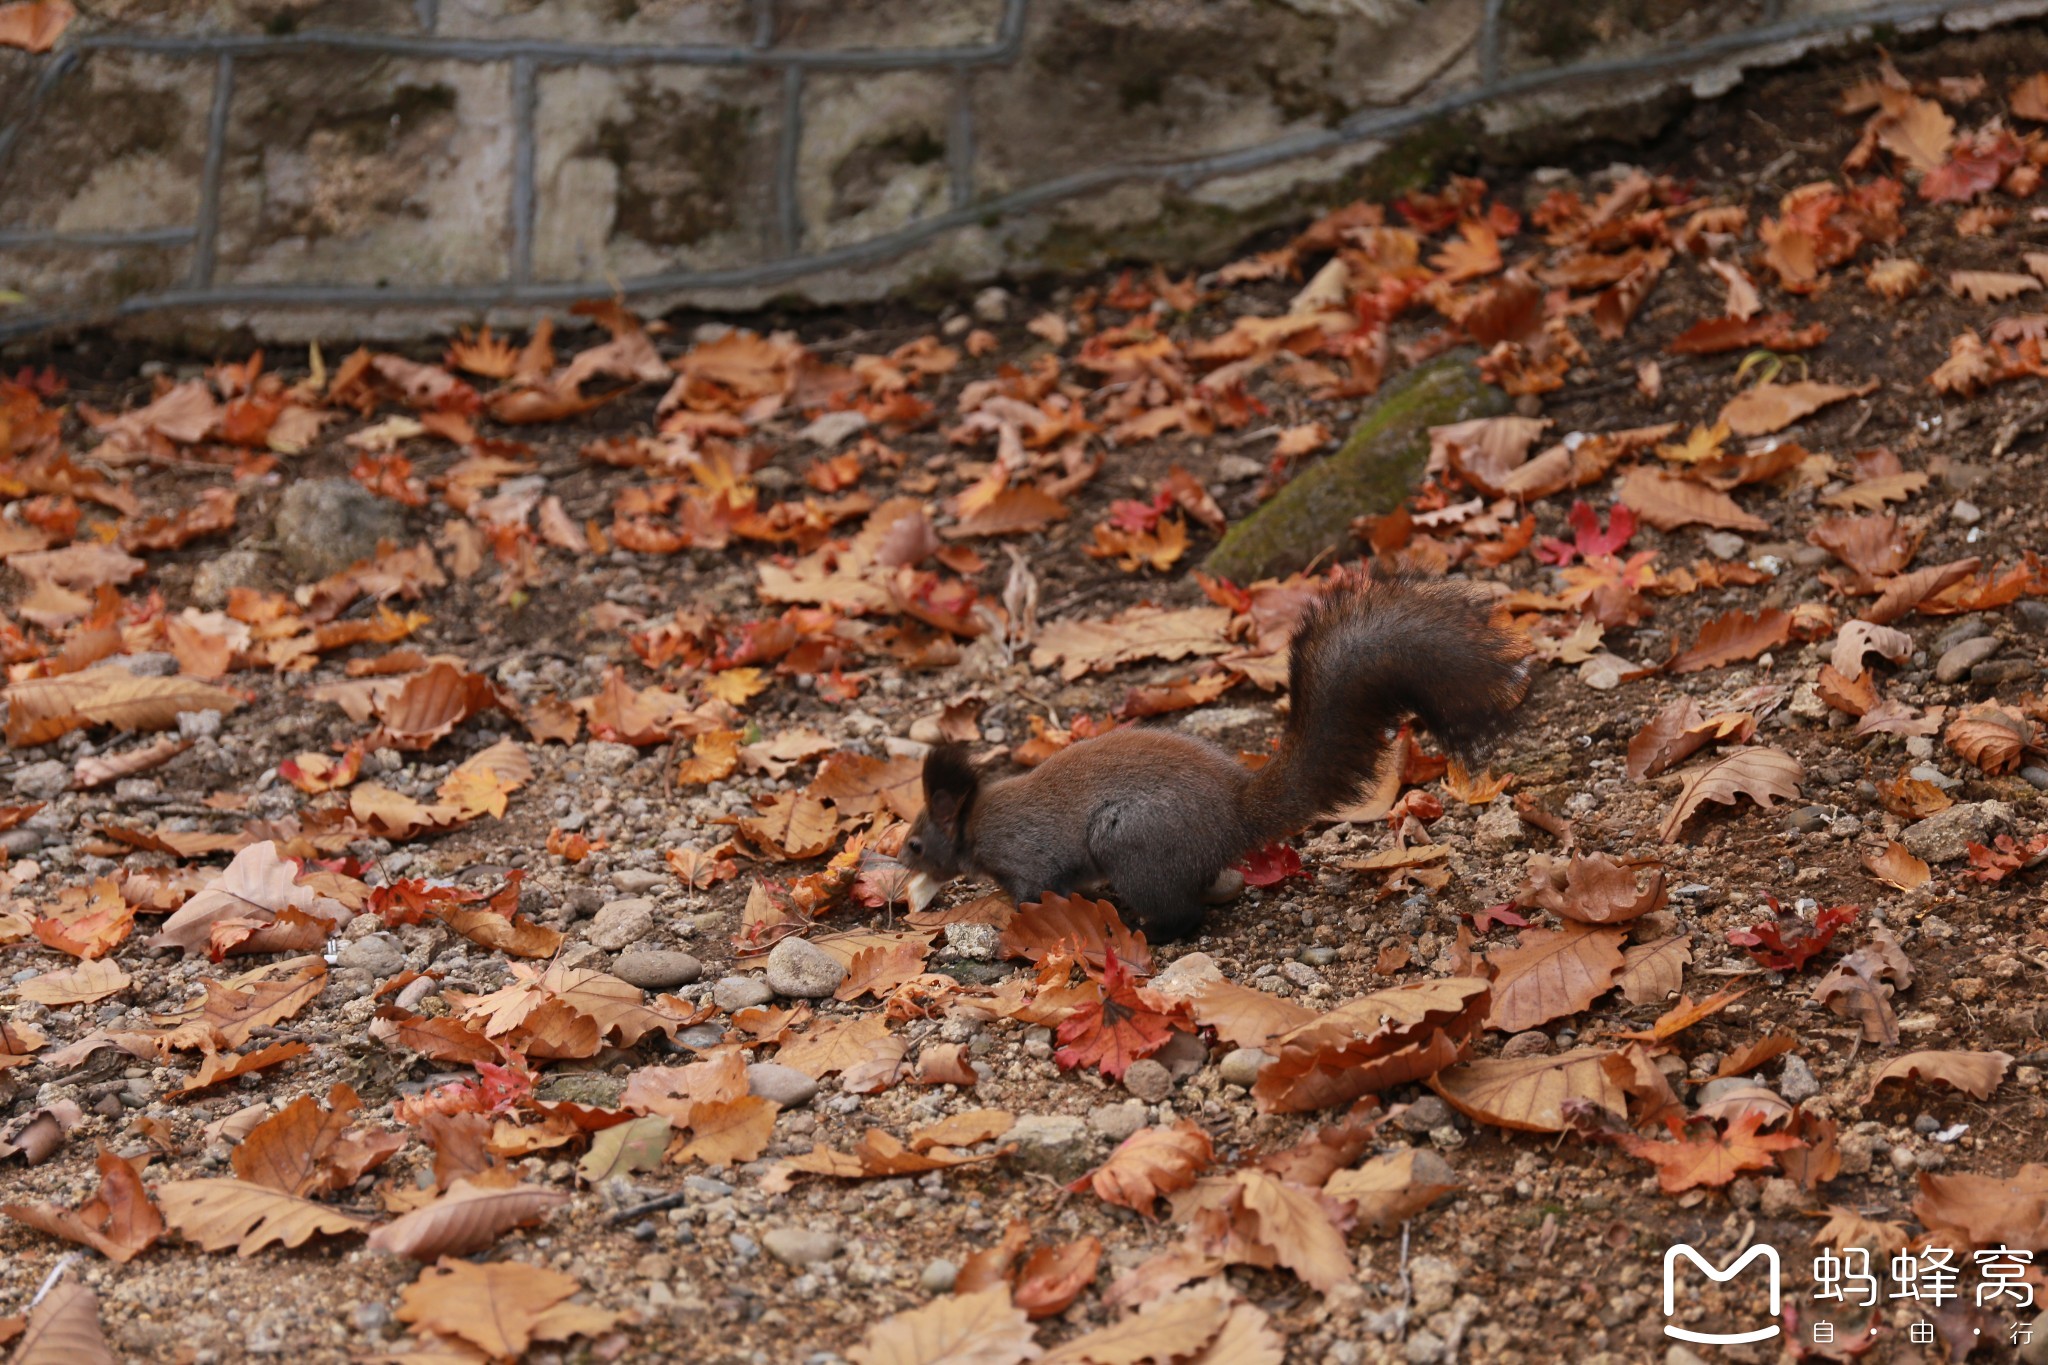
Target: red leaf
{"points": [[1115, 1030], [1767, 944], [1271, 865]]}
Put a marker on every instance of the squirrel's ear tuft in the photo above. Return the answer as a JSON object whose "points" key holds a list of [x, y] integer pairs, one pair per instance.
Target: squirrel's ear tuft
{"points": [[950, 785]]}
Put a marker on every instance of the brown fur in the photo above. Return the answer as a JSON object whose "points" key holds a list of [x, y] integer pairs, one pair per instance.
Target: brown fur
{"points": [[1156, 815]]}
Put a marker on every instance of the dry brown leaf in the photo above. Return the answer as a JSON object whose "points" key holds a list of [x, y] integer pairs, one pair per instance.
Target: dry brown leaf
{"points": [[1763, 774], [1990, 1210], [1767, 408], [1714, 1159], [1389, 1189], [728, 1132], [1552, 974], [1976, 1074], [1149, 1163], [1735, 635], [64, 1329], [1668, 501], [1652, 971], [119, 1222], [1990, 286], [41, 709], [1166, 1329], [500, 1307], [1529, 1093], [80, 985], [983, 1328], [1897, 866], [465, 1220], [218, 1214]]}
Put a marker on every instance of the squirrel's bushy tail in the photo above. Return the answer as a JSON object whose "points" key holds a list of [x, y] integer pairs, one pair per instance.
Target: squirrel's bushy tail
{"points": [[1366, 654]]}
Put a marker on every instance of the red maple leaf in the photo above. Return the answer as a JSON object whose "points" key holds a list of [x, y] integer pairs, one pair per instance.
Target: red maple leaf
{"points": [[2004, 857], [1271, 865], [1772, 950], [1115, 1030]]}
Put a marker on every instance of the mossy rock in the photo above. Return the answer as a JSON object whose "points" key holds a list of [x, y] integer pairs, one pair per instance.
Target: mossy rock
{"points": [[1369, 477]]}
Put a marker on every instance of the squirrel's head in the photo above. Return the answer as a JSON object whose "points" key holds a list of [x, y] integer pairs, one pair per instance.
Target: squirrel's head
{"points": [[937, 843]]}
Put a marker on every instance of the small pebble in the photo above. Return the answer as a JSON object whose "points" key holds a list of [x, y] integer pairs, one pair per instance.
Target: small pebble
{"points": [[1965, 513], [735, 993], [1241, 1066], [656, 970], [938, 1277], [800, 969], [1148, 1080], [1957, 662], [785, 1085]]}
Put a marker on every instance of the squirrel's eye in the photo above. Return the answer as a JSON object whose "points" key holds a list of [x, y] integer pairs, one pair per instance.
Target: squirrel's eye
{"points": [[915, 846]]}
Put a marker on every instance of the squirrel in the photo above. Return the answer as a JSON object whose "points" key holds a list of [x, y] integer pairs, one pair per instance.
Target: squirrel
{"points": [[1157, 815]]}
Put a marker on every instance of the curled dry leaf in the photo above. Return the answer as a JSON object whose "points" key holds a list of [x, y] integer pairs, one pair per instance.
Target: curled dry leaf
{"points": [[1053, 1277], [1149, 1163], [1390, 1189], [1860, 638], [1763, 774], [1990, 737], [1897, 866], [1989, 1210], [119, 1222], [1165, 1329], [1590, 888], [1668, 501], [1976, 1074], [465, 1220]]}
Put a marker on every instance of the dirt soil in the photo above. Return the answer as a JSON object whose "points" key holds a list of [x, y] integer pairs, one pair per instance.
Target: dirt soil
{"points": [[1551, 1246]]}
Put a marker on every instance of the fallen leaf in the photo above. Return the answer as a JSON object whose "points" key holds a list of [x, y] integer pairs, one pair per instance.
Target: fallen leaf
{"points": [[1976, 1074], [1148, 1164], [1530, 1093], [218, 1214], [500, 1307], [119, 1221], [983, 1328], [1763, 774]]}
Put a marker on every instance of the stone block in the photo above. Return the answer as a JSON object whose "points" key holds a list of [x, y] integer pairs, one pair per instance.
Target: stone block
{"points": [[61, 280], [1539, 33], [715, 23], [873, 157], [363, 170], [117, 144], [645, 170], [842, 25], [276, 18]]}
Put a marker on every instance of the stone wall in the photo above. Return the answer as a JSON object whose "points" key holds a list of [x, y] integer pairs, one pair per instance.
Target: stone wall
{"points": [[395, 166]]}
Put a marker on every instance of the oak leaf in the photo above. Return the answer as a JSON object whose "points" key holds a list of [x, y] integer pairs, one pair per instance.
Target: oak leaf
{"points": [[1530, 1093], [465, 1220], [119, 1221], [500, 1307], [1763, 774], [1149, 1163], [1976, 1074], [218, 1214], [983, 1328], [1552, 974]]}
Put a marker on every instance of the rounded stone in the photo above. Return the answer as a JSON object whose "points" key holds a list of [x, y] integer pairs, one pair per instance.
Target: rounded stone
{"points": [[620, 923], [1956, 663], [800, 969], [1241, 1066], [938, 1277], [785, 1085], [735, 993], [325, 525], [377, 954], [801, 1246], [1533, 1043], [1148, 1080], [656, 969]]}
